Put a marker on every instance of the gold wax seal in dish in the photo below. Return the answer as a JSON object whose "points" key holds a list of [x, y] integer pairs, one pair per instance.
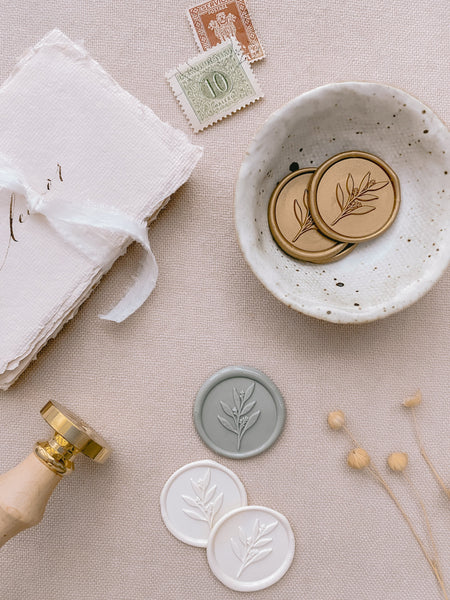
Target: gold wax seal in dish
{"points": [[348, 248], [291, 224], [354, 196]]}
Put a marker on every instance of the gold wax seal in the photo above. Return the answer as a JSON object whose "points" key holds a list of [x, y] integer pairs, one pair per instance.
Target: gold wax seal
{"points": [[354, 196], [291, 224], [348, 248]]}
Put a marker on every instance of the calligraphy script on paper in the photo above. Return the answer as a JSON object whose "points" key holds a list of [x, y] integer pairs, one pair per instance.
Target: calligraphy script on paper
{"points": [[16, 217]]}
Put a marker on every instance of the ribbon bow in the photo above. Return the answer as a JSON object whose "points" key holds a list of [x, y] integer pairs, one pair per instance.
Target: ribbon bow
{"points": [[83, 226]]}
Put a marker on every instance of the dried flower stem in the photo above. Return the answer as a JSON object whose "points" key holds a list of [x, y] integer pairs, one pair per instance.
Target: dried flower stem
{"points": [[374, 471], [432, 562], [425, 455], [350, 435], [427, 522]]}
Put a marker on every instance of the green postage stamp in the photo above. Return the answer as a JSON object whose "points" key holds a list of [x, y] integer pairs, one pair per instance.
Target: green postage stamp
{"points": [[214, 84]]}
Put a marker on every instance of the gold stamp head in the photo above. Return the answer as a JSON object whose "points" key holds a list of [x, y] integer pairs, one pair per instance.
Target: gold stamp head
{"points": [[71, 436], [354, 196], [291, 223]]}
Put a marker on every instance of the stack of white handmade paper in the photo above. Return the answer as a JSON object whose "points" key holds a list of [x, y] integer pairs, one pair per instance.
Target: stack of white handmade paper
{"points": [[84, 150]]}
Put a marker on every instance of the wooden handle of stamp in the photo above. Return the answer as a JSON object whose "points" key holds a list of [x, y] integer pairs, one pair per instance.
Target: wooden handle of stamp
{"points": [[24, 493]]}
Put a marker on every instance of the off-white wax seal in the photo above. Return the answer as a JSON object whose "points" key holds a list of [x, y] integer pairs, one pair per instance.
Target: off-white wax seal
{"points": [[251, 548], [196, 496]]}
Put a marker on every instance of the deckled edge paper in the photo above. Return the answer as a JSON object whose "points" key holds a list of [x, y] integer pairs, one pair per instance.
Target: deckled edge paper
{"points": [[185, 155]]}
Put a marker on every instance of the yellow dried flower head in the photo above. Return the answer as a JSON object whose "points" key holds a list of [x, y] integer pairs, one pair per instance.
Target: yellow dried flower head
{"points": [[336, 419], [398, 461], [414, 400], [358, 458]]}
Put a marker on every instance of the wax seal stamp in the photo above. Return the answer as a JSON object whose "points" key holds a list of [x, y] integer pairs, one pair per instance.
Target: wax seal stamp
{"points": [[72, 435], [26, 489], [291, 223], [251, 548], [239, 412], [196, 496], [354, 196]]}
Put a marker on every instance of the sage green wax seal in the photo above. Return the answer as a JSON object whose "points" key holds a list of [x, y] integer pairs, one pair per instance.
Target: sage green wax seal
{"points": [[239, 412]]}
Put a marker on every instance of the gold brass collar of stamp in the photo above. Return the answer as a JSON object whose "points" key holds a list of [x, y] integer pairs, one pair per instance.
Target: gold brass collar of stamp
{"points": [[71, 436], [291, 224], [354, 196]]}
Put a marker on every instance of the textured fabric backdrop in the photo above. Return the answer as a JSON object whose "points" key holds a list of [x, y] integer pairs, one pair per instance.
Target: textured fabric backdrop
{"points": [[102, 537]]}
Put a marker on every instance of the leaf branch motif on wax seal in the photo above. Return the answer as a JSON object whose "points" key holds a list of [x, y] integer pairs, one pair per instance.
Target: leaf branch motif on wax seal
{"points": [[306, 222], [357, 196], [240, 422], [250, 549], [204, 504]]}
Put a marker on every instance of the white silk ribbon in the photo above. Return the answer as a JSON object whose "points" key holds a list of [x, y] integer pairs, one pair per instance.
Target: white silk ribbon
{"points": [[84, 226]]}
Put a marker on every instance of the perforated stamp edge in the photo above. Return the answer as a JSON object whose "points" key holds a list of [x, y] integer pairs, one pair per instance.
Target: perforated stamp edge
{"points": [[193, 63], [213, 7]]}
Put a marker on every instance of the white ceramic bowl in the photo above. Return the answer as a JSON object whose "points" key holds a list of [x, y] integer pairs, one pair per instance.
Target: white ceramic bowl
{"points": [[379, 277]]}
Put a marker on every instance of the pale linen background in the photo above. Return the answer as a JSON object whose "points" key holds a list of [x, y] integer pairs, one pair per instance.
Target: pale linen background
{"points": [[102, 537]]}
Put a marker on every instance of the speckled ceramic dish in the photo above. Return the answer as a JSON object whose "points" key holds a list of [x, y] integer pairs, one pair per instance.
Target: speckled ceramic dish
{"points": [[381, 276]]}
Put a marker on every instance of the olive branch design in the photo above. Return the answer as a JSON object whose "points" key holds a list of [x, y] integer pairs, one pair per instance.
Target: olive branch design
{"points": [[247, 548], [205, 507], [357, 196], [307, 223], [240, 423]]}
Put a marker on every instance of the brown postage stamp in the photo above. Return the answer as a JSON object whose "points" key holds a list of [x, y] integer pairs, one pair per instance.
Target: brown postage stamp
{"points": [[217, 20]]}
